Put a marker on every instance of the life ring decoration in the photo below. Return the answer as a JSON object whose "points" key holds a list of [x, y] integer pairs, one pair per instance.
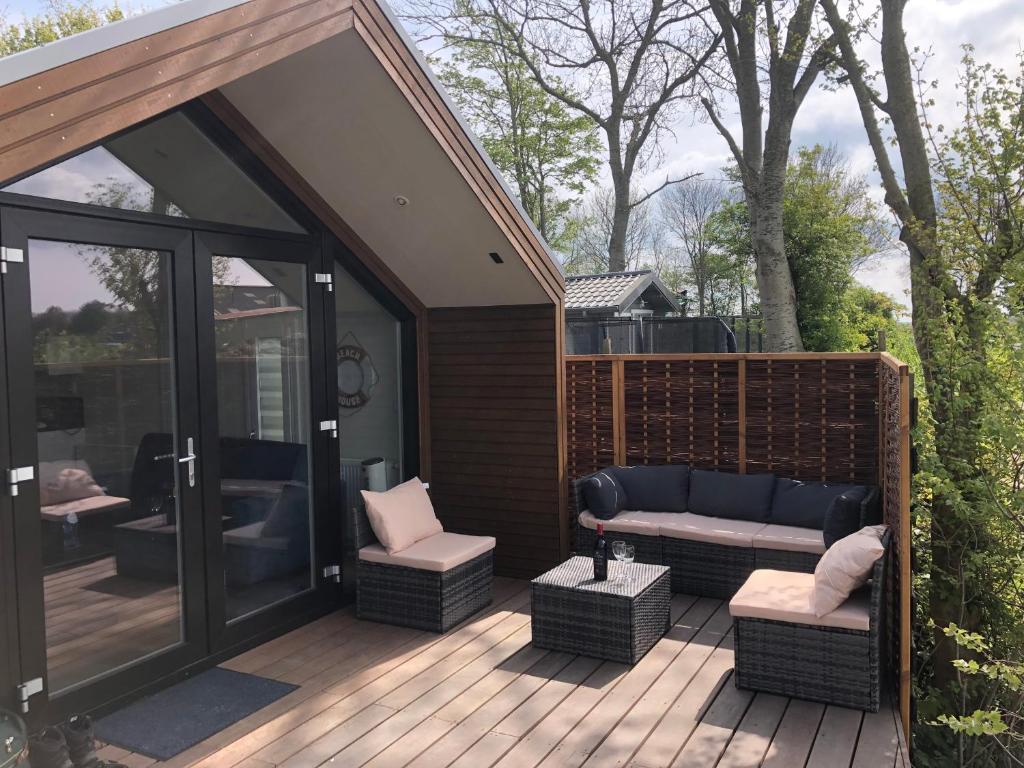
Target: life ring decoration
{"points": [[357, 376]]}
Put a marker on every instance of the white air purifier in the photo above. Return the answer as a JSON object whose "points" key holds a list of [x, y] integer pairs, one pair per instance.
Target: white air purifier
{"points": [[376, 471]]}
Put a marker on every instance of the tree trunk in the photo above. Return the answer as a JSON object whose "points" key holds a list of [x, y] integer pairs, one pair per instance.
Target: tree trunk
{"points": [[774, 279], [620, 226]]}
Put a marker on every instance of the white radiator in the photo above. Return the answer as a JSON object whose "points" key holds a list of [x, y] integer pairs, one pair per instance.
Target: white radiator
{"points": [[354, 479]]}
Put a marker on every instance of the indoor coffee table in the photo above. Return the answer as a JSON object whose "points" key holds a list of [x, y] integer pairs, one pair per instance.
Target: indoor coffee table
{"points": [[616, 619]]}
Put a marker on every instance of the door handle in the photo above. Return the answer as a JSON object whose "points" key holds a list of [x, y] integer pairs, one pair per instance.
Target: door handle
{"points": [[190, 459]]}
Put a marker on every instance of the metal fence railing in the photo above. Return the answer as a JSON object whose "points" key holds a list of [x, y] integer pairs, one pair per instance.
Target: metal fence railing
{"points": [[748, 330], [663, 335]]}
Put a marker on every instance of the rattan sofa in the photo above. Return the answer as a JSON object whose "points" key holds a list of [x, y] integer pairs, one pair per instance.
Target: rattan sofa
{"points": [[710, 556], [781, 647], [410, 588]]}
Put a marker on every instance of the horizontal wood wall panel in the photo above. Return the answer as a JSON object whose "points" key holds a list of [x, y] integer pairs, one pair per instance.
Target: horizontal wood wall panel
{"points": [[494, 430]]}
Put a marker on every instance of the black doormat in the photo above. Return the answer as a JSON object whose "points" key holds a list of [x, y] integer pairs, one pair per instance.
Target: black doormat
{"points": [[169, 722]]}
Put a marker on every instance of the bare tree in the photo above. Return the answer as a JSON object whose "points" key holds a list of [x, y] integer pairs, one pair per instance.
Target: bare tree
{"points": [[588, 251], [625, 64], [687, 210], [770, 72]]}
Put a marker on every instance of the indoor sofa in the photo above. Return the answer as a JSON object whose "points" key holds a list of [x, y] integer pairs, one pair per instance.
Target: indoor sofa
{"points": [[713, 529]]}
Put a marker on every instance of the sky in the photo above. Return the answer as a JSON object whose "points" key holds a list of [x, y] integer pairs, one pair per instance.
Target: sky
{"points": [[994, 27]]}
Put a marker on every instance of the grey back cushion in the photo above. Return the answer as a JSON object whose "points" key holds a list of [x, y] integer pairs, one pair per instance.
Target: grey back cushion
{"points": [[737, 497], [604, 495], [806, 504], [660, 488]]}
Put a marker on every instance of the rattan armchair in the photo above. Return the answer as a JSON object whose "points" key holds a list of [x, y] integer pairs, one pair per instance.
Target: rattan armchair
{"points": [[421, 598], [831, 664]]}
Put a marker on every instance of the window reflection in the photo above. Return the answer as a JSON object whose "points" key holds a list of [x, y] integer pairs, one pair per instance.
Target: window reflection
{"points": [[105, 413], [368, 370], [166, 167], [263, 415]]}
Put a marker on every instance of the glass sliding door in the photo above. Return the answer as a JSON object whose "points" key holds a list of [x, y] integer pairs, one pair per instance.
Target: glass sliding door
{"points": [[103, 415], [262, 376]]}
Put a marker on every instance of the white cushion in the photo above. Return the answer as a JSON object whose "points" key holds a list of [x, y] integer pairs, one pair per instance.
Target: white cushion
{"points": [[401, 516], [628, 521], [788, 596], [713, 530], [90, 505], [66, 480], [846, 566], [791, 539], [441, 552]]}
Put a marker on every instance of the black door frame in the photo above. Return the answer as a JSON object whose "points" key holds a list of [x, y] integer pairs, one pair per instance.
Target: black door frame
{"points": [[18, 227], [326, 545]]}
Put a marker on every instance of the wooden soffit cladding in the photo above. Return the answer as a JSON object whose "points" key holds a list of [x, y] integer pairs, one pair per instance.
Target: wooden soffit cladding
{"points": [[376, 29], [52, 114], [64, 109]]}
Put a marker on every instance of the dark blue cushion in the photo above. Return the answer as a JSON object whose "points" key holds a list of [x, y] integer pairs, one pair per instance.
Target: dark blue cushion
{"points": [[661, 488], [844, 515], [737, 497], [805, 504], [604, 495]]}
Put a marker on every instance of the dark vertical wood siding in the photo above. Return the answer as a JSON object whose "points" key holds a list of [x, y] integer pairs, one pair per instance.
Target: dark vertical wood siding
{"points": [[494, 430]]}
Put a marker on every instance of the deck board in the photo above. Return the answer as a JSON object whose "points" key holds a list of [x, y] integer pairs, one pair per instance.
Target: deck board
{"points": [[482, 695]]}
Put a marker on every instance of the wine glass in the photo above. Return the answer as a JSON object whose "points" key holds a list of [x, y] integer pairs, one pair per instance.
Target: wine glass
{"points": [[626, 557], [617, 549]]}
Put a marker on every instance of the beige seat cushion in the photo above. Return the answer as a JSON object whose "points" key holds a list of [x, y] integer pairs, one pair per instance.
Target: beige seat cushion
{"points": [[629, 521], [791, 539], [846, 566], [90, 505], [401, 516], [440, 552], [713, 530], [787, 596]]}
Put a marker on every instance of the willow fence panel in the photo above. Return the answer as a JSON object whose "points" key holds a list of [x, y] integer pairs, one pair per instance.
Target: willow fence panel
{"points": [[839, 417]]}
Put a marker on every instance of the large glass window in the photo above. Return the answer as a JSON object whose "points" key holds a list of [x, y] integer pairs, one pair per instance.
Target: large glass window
{"points": [[368, 362], [168, 167]]}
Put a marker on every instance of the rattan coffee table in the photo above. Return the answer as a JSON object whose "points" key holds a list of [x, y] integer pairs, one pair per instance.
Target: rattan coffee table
{"points": [[616, 620]]}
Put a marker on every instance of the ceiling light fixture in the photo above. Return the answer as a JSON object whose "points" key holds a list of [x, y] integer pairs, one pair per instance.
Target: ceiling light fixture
{"points": [[401, 200], [496, 258]]}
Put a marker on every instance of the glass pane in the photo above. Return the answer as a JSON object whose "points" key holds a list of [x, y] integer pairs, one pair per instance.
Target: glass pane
{"points": [[369, 390], [104, 374], [167, 167], [263, 413]]}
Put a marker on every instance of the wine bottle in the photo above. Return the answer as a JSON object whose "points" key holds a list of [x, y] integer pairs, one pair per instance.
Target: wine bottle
{"points": [[600, 555]]}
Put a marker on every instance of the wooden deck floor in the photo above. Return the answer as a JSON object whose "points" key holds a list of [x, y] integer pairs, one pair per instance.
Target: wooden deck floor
{"points": [[482, 696]]}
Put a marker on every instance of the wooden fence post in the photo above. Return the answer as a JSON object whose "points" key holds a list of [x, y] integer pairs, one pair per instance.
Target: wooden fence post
{"points": [[741, 396], [619, 410]]}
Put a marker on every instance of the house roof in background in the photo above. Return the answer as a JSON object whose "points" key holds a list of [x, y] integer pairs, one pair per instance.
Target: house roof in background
{"points": [[613, 291]]}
